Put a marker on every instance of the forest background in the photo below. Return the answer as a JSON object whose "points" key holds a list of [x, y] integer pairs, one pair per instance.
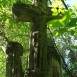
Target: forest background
{"points": [[64, 33]]}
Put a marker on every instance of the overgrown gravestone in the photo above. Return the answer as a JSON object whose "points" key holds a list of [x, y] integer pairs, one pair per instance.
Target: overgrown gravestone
{"points": [[38, 15], [14, 50]]}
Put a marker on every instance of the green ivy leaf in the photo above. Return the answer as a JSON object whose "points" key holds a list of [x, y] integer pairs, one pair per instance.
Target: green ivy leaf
{"points": [[56, 24], [66, 18], [72, 22]]}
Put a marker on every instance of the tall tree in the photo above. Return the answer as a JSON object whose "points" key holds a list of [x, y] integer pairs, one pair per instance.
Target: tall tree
{"points": [[43, 58]]}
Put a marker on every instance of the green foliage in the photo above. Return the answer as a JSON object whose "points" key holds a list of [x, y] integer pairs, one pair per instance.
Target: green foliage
{"points": [[2, 64], [65, 25], [14, 31], [20, 32], [72, 22], [65, 33], [55, 24]]}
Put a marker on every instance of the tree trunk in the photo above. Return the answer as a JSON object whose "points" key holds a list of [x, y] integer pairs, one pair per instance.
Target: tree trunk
{"points": [[38, 48]]}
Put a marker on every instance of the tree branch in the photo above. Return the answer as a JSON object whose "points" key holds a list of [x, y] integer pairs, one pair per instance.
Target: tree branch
{"points": [[64, 4], [54, 17], [24, 12]]}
